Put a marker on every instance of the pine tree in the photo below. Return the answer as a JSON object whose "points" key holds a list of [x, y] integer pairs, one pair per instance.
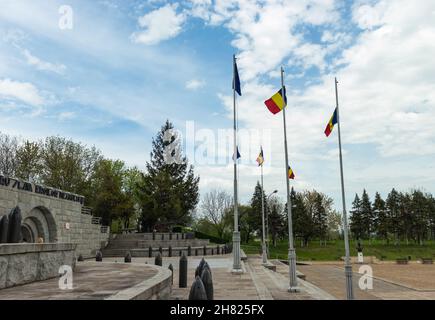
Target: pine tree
{"points": [[168, 192], [367, 215], [392, 206], [276, 219], [381, 223], [255, 220], [420, 216], [356, 219], [320, 218]]}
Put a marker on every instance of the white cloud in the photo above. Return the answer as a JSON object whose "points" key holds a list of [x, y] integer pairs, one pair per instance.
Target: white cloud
{"points": [[195, 84], [161, 24], [67, 115], [43, 65], [23, 91]]}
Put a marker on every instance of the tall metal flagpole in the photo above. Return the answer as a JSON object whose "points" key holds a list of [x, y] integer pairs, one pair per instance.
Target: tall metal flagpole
{"points": [[237, 268], [348, 266], [291, 250], [263, 222]]}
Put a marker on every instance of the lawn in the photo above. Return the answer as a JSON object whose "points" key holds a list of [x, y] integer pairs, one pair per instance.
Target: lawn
{"points": [[334, 250]]}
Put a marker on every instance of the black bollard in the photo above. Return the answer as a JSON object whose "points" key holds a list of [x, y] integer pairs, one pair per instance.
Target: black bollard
{"points": [[158, 260], [217, 250], [177, 236], [4, 224], [150, 251], [170, 235], [197, 291], [206, 266], [154, 235], [196, 251], [207, 281], [182, 236], [80, 258], [172, 271], [212, 251], [14, 230], [181, 253], [205, 250], [161, 250], [163, 236], [182, 279], [189, 251], [98, 256], [170, 251], [127, 258]]}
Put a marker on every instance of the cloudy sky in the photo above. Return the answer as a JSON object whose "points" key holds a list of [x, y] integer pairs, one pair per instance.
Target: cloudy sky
{"points": [[124, 67]]}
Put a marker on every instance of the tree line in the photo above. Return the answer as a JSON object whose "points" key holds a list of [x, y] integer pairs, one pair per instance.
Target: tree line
{"points": [[163, 195], [313, 216], [402, 216]]}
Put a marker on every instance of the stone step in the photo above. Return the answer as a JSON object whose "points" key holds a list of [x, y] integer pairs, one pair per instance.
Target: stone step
{"points": [[144, 244], [195, 251]]}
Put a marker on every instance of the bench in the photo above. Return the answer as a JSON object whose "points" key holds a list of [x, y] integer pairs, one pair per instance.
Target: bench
{"points": [[426, 260], [402, 261]]}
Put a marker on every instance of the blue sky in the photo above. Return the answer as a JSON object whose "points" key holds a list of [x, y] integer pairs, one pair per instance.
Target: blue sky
{"points": [[127, 66]]}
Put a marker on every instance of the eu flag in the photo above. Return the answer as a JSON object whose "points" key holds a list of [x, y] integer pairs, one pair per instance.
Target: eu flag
{"points": [[236, 80]]}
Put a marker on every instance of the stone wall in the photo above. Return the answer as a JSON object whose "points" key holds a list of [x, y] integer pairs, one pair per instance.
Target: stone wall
{"points": [[22, 263], [55, 219]]}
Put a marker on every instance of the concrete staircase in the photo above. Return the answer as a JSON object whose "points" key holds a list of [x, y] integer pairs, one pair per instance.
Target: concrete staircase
{"points": [[170, 244]]}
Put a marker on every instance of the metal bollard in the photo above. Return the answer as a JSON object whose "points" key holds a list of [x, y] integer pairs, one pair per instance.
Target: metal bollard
{"points": [[217, 250], [170, 251], [196, 251], [182, 279], [205, 250], [163, 236], [161, 250], [207, 281], [99, 256], [197, 291], [150, 251], [154, 235], [189, 251], [158, 260], [172, 271], [127, 258]]}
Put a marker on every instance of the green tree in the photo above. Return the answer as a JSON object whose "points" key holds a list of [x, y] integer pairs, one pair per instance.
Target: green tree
{"points": [[168, 192], [356, 219], [68, 165], [367, 215], [381, 222], [276, 219], [420, 207], [29, 164], [393, 216], [302, 220], [245, 222], [256, 206], [109, 200]]}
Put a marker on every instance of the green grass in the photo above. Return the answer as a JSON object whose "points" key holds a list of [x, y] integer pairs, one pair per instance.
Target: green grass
{"points": [[334, 250]]}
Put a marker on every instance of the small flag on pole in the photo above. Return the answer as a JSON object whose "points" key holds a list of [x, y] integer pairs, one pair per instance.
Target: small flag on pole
{"points": [[238, 154], [236, 80], [260, 158], [277, 102], [291, 174], [331, 123]]}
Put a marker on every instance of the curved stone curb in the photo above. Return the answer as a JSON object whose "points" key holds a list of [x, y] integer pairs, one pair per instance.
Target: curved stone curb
{"points": [[158, 287]]}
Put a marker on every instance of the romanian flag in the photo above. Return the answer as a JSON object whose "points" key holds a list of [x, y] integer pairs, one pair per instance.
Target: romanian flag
{"points": [[260, 158], [291, 174], [331, 123], [277, 102]]}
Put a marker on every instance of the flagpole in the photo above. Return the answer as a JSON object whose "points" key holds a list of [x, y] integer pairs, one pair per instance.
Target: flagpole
{"points": [[236, 234], [291, 250], [348, 266], [264, 252]]}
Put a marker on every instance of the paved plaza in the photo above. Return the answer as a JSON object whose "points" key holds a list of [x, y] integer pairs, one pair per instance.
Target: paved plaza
{"points": [[390, 281], [91, 281]]}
